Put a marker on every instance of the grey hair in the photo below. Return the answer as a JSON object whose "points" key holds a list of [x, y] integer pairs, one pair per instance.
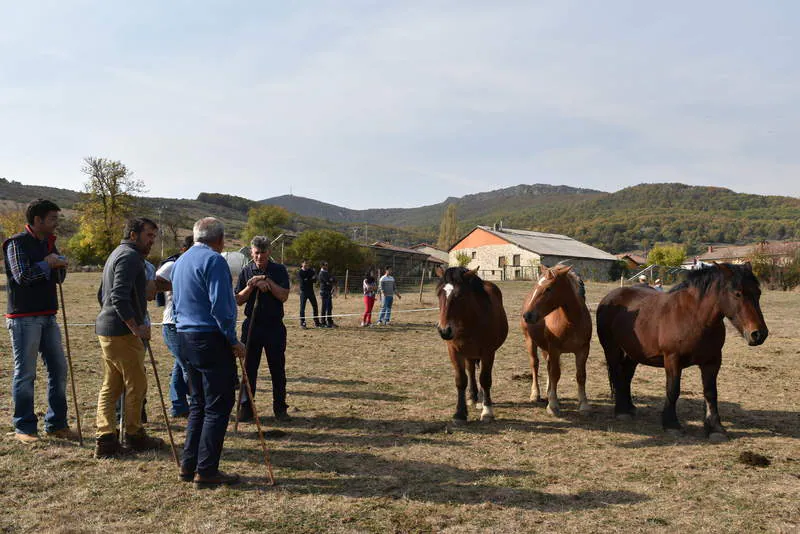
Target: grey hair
{"points": [[261, 243], [208, 230]]}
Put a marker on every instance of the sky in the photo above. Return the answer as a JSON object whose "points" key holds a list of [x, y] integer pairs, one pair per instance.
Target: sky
{"points": [[370, 104]]}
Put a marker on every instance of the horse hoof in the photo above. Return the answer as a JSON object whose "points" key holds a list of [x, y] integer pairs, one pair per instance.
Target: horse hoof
{"points": [[459, 422], [487, 418], [624, 417], [555, 412], [718, 437], [584, 409]]}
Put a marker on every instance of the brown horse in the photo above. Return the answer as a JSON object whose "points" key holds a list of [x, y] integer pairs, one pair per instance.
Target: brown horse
{"points": [[677, 329], [474, 324], [555, 319]]}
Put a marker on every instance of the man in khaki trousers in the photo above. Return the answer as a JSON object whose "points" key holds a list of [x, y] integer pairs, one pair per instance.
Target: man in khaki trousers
{"points": [[122, 330]]}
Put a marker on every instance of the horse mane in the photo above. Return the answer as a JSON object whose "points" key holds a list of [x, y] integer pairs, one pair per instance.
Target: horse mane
{"points": [[455, 276], [574, 279], [703, 279]]}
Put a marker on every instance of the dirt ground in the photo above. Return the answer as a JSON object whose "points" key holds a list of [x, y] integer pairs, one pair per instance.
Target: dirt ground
{"points": [[371, 447]]}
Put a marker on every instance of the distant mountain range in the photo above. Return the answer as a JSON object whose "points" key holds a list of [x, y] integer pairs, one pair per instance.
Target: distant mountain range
{"points": [[632, 218]]}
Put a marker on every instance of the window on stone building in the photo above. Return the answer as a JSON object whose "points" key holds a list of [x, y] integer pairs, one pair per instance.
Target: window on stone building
{"points": [[473, 254], [501, 261], [516, 260]]}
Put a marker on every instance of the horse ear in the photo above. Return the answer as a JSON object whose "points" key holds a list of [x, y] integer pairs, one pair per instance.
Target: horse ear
{"points": [[439, 271], [549, 274], [473, 272]]}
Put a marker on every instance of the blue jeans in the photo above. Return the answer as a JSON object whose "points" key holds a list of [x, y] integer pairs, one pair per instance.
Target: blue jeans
{"points": [[327, 308], [212, 374], [178, 388], [386, 310], [31, 336]]}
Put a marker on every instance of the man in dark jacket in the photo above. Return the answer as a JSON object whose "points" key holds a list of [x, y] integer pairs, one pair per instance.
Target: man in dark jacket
{"points": [[33, 268], [327, 283], [122, 331], [306, 277]]}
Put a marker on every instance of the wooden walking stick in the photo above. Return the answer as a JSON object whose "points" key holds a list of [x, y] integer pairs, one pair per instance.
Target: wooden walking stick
{"points": [[270, 476], [149, 349], [69, 362], [247, 350]]}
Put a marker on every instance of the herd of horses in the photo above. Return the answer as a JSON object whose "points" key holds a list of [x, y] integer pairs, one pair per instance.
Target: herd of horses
{"points": [[635, 325]]}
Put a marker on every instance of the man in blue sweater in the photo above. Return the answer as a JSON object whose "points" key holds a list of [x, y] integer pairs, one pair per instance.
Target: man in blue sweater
{"points": [[205, 315]]}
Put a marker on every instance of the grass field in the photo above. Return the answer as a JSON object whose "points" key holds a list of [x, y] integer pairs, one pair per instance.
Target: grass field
{"points": [[371, 448]]}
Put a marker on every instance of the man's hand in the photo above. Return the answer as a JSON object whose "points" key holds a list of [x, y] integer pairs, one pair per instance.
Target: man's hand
{"points": [[239, 350], [143, 332], [252, 282], [263, 285], [55, 261]]}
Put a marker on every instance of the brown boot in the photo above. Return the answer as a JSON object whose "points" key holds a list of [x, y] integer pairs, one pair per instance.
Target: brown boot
{"points": [[142, 442], [107, 446], [212, 481]]}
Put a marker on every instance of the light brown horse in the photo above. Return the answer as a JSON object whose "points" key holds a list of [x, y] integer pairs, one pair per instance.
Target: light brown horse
{"points": [[555, 319], [677, 329], [474, 324]]}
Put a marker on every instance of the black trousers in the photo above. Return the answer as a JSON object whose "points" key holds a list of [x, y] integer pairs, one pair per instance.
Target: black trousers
{"points": [[327, 308], [212, 374], [313, 299], [271, 338]]}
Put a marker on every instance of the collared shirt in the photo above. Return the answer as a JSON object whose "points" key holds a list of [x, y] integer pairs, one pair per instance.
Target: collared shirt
{"points": [[202, 295], [122, 294], [24, 272], [270, 309]]}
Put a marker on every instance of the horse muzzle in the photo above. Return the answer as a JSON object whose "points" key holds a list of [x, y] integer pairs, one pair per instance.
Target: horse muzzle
{"points": [[446, 333], [757, 337], [531, 317]]}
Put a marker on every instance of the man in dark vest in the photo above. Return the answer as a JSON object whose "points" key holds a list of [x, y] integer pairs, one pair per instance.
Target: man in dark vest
{"points": [[33, 269], [306, 276], [327, 283], [266, 282]]}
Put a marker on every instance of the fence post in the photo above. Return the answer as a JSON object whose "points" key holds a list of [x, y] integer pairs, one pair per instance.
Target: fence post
{"points": [[346, 276], [421, 282]]}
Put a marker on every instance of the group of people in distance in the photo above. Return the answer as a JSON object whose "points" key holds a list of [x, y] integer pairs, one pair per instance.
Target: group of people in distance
{"points": [[199, 327], [657, 284], [386, 288]]}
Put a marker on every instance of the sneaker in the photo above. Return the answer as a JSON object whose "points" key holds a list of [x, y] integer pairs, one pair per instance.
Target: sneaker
{"points": [[64, 433], [107, 446], [362, 324], [142, 442], [245, 412], [27, 439], [213, 481]]}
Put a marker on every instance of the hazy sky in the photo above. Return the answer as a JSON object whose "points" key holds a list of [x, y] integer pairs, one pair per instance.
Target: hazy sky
{"points": [[402, 103]]}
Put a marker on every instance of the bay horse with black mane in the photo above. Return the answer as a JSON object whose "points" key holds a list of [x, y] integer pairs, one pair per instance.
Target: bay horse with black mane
{"points": [[473, 322], [555, 319], [676, 330]]}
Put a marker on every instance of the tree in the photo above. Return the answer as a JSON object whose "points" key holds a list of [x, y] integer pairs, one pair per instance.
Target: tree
{"points": [[463, 259], [110, 199], [448, 229], [11, 222], [264, 220], [327, 245], [171, 222], [667, 255]]}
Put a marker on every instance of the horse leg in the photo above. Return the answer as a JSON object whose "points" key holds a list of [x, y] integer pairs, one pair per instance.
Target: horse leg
{"points": [[460, 417], [487, 414], [553, 376], [712, 424], [472, 384], [533, 354], [580, 377], [628, 370], [669, 417]]}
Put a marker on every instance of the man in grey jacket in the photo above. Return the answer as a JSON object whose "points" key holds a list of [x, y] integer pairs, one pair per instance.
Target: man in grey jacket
{"points": [[122, 330]]}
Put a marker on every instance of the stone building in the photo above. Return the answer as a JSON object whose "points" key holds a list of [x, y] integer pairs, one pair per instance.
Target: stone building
{"points": [[509, 254]]}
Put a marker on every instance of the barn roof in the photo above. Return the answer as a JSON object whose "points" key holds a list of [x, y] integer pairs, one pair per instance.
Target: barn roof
{"points": [[548, 244]]}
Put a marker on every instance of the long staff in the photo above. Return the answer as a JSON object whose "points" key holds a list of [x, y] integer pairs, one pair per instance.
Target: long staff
{"points": [[270, 476], [158, 385], [69, 361], [247, 351]]}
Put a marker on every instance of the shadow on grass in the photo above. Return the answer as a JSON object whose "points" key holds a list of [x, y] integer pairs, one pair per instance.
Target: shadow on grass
{"points": [[360, 475], [331, 381], [353, 395]]}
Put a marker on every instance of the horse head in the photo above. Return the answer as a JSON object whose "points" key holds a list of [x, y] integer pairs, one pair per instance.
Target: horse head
{"points": [[459, 308], [739, 301], [549, 293]]}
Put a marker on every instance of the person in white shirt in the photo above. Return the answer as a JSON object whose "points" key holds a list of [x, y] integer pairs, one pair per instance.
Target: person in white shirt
{"points": [[388, 290]]}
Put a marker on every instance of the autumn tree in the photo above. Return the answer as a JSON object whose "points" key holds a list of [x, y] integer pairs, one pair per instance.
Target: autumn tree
{"points": [[264, 220], [448, 229], [109, 200], [667, 255], [327, 245], [12, 221]]}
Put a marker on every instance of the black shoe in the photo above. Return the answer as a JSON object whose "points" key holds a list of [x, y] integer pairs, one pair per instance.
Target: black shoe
{"points": [[186, 475], [245, 412], [107, 446], [303, 326], [283, 417], [212, 481], [333, 325]]}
